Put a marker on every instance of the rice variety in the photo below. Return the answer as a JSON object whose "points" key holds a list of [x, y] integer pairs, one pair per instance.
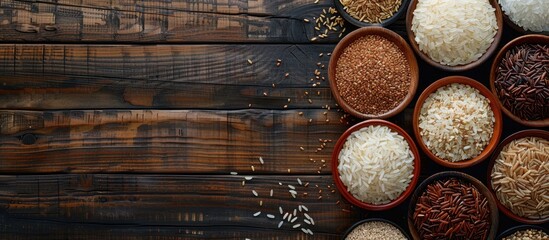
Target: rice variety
{"points": [[376, 164], [528, 234], [520, 177], [454, 32], [371, 11], [531, 15], [376, 230], [456, 122]]}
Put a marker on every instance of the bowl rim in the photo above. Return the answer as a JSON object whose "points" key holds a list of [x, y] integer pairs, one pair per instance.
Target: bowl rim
{"points": [[400, 43], [520, 134], [494, 215], [343, 189], [489, 52], [530, 38], [356, 22], [514, 229], [498, 123], [350, 229]]}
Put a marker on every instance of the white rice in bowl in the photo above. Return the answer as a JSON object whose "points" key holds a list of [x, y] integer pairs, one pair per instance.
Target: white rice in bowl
{"points": [[376, 164], [453, 32], [456, 122], [531, 15]]}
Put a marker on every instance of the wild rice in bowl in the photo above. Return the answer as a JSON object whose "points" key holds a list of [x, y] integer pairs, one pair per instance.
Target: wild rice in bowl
{"points": [[520, 177], [376, 164], [456, 122], [375, 230]]}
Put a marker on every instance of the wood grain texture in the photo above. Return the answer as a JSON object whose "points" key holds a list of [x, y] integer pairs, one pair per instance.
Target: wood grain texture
{"points": [[161, 21], [162, 76], [167, 141], [120, 206]]}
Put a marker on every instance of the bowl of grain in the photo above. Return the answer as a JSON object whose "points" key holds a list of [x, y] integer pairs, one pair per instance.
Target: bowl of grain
{"points": [[518, 175], [519, 79], [452, 205], [364, 13], [454, 35], [376, 165], [524, 232], [373, 73], [527, 17], [375, 229], [457, 122]]}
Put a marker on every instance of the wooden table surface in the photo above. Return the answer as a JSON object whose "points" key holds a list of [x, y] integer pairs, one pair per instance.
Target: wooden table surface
{"points": [[124, 120]]}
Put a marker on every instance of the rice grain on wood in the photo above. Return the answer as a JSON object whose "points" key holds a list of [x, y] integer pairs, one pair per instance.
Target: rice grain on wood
{"points": [[373, 75], [520, 177]]}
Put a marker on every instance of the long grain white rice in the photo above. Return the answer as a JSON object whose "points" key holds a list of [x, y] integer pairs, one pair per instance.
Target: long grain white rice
{"points": [[532, 15], [376, 164], [255, 193], [293, 219], [456, 122], [454, 32], [257, 214], [270, 216]]}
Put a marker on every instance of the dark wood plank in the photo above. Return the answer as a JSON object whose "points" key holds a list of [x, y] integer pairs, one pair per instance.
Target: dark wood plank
{"points": [[162, 76], [161, 21], [119, 206], [167, 141]]}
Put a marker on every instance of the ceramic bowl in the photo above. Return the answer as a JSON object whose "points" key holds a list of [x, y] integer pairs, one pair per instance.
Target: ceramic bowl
{"points": [[495, 109], [343, 189], [517, 135], [395, 38], [426, 58], [401, 10], [494, 216], [493, 74]]}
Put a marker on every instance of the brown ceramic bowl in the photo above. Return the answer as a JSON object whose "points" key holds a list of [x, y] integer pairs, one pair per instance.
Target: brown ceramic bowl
{"points": [[515, 229], [426, 58], [497, 124], [494, 216], [535, 38], [390, 35], [517, 135], [343, 189], [374, 220], [341, 9]]}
